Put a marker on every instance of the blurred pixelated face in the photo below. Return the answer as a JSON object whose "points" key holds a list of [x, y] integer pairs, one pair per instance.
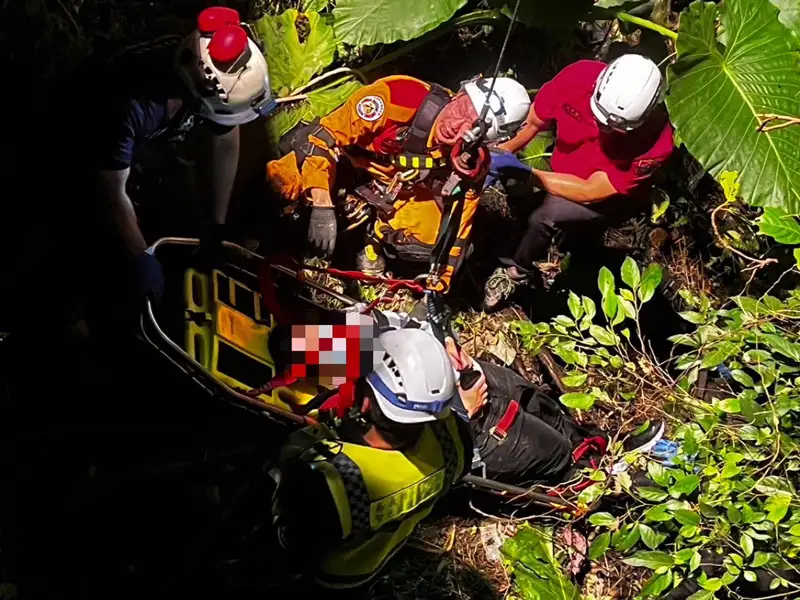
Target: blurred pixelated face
{"points": [[336, 353]]}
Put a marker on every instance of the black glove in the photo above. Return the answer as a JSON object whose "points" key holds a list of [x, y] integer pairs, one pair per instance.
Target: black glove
{"points": [[149, 276], [322, 230]]}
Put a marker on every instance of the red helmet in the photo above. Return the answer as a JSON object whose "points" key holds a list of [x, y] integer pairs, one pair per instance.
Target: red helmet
{"points": [[225, 69]]}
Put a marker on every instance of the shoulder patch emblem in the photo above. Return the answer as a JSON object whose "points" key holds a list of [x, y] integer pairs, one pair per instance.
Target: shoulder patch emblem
{"points": [[370, 108]]}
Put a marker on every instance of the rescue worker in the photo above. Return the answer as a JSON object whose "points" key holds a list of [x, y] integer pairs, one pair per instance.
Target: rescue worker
{"points": [[401, 132], [347, 501], [213, 80], [612, 135]]}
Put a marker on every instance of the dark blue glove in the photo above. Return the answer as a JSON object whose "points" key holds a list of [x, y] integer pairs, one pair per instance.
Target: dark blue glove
{"points": [[149, 276], [503, 165]]}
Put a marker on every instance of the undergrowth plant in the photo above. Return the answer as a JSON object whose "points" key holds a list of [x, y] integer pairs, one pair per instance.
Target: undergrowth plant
{"points": [[725, 511]]}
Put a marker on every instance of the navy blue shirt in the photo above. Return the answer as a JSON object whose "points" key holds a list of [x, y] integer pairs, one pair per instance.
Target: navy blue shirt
{"points": [[137, 87]]}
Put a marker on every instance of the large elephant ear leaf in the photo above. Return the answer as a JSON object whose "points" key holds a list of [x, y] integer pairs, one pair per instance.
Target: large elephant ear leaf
{"points": [[298, 46], [368, 22], [720, 93], [790, 15]]}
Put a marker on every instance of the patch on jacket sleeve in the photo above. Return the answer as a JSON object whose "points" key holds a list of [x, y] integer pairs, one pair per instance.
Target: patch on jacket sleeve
{"points": [[370, 108]]}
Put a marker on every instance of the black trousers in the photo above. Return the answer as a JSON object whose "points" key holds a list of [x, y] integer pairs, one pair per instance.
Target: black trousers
{"points": [[581, 224], [539, 444]]}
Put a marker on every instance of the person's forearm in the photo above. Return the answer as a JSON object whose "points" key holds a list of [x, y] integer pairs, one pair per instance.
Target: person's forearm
{"points": [[571, 187], [225, 162], [126, 223]]}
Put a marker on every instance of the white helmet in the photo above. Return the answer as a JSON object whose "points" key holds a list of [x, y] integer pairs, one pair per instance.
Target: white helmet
{"points": [[225, 69], [626, 91], [508, 105], [414, 382]]}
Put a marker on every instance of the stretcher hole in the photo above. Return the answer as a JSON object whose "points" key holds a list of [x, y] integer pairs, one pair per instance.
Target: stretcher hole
{"points": [[245, 301], [199, 349], [223, 289], [197, 291], [241, 367]]}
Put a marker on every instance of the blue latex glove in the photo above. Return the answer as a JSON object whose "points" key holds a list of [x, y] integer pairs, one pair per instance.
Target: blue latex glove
{"points": [[503, 165], [149, 276]]}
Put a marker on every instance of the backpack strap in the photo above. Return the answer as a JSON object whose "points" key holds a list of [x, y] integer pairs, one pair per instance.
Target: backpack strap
{"points": [[422, 124]]}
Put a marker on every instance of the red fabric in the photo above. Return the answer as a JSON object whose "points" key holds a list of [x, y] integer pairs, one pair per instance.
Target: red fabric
{"points": [[214, 18], [406, 92], [581, 149], [507, 420]]}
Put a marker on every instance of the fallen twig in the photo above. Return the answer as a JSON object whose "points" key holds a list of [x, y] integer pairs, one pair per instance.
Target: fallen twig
{"points": [[766, 118], [756, 263]]}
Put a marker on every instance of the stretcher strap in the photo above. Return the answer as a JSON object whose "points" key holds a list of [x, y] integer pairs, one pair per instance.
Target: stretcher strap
{"points": [[500, 431]]}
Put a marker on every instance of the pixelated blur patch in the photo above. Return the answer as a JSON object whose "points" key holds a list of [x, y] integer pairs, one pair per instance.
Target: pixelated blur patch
{"points": [[342, 351]]}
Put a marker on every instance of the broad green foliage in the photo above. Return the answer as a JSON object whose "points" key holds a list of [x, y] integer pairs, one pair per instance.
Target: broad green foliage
{"points": [[320, 102], [730, 488], [591, 351], [720, 87], [369, 22], [291, 62], [537, 573], [536, 153], [779, 225], [790, 15]]}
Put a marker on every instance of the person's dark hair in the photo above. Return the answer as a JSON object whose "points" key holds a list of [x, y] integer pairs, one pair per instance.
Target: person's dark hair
{"points": [[399, 435]]}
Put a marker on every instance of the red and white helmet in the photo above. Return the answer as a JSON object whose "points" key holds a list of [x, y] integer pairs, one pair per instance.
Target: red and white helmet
{"points": [[626, 91], [225, 69]]}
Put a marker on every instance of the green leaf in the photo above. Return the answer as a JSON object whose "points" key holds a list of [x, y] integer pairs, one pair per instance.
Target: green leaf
{"points": [[589, 306], [626, 308], [577, 400], [777, 506], [650, 282], [713, 584], [730, 405], [657, 584], [564, 321], [685, 485], [319, 103], [686, 517], [602, 335], [650, 559], [650, 538], [630, 273], [759, 559], [743, 378], [575, 307], [369, 22], [718, 354], [790, 15], [659, 210], [610, 306], [652, 494], [692, 316], [603, 519], [291, 62], [701, 595], [658, 473], [658, 513], [535, 154], [575, 380], [796, 254], [746, 542], [750, 576], [717, 92], [782, 346], [605, 282], [780, 226], [599, 545], [694, 562], [626, 538]]}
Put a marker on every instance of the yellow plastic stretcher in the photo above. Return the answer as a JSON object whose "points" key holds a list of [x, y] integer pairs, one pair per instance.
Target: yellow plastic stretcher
{"points": [[227, 328]]}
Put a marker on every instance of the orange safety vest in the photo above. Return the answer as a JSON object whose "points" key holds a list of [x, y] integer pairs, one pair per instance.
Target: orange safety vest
{"points": [[369, 130]]}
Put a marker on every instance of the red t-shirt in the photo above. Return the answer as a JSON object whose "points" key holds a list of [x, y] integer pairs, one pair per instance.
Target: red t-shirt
{"points": [[629, 159]]}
